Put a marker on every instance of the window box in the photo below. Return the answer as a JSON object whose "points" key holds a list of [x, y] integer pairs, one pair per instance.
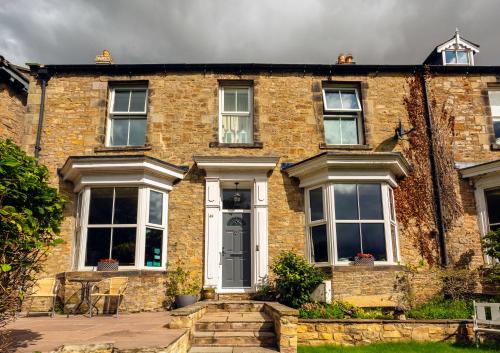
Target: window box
{"points": [[364, 260], [107, 265]]}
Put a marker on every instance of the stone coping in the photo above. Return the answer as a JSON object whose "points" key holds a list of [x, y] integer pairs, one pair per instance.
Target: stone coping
{"points": [[386, 321], [283, 310], [190, 309], [193, 308]]}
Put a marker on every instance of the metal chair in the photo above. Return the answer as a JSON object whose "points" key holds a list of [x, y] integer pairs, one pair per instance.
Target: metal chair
{"points": [[117, 288], [45, 288]]}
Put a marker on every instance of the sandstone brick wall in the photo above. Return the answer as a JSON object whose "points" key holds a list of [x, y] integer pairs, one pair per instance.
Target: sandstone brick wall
{"points": [[183, 120], [12, 111]]}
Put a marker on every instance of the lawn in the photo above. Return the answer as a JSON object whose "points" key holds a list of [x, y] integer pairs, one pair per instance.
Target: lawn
{"points": [[401, 347]]}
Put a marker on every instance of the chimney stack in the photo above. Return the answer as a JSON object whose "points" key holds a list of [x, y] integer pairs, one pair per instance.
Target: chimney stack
{"points": [[104, 58], [345, 59]]}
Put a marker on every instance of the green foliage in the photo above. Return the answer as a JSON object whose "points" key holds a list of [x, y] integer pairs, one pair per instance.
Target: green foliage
{"points": [[458, 283], [340, 310], [295, 279], [491, 243], [401, 347], [31, 213], [181, 282], [440, 308]]}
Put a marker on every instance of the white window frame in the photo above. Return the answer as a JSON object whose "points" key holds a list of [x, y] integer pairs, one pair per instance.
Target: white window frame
{"points": [[470, 57], [487, 212], [329, 208], [310, 224], [330, 114], [495, 112], [124, 115], [248, 114], [141, 225]]}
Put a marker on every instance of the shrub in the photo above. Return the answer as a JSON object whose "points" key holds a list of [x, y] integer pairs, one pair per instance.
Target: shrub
{"points": [[181, 282], [491, 243], [340, 310], [440, 308], [31, 213], [295, 279], [459, 283]]}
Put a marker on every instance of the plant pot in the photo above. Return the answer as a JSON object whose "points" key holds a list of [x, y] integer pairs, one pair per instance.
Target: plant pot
{"points": [[184, 300], [107, 266], [208, 294], [363, 261]]}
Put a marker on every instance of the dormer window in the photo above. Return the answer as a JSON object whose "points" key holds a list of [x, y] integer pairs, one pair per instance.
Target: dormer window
{"points": [[456, 57], [455, 51]]}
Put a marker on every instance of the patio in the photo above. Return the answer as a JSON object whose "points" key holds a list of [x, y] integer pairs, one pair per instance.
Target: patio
{"points": [[44, 334]]}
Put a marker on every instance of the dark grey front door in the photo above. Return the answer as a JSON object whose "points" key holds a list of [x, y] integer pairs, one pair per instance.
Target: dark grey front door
{"points": [[236, 257]]}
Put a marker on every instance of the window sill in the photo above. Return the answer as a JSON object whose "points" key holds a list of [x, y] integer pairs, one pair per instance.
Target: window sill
{"points": [[324, 146], [352, 268], [122, 149], [255, 144], [495, 147], [106, 274]]}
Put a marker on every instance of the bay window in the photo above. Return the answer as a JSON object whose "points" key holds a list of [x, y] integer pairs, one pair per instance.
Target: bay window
{"points": [[235, 118], [342, 116], [344, 219]]}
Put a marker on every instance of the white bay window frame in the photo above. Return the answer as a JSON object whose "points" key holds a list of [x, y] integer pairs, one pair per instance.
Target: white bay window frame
{"points": [[392, 250], [116, 115], [236, 113]]}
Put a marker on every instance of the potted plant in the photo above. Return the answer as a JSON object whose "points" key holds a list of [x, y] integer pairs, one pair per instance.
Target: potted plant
{"points": [[208, 293], [107, 265], [183, 287], [363, 259]]}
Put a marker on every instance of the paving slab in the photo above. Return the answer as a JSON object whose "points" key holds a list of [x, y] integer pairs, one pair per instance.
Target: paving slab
{"points": [[128, 331]]}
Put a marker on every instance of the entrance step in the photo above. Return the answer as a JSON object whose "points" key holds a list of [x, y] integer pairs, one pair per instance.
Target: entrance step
{"points": [[235, 321], [232, 350], [237, 306], [234, 338]]}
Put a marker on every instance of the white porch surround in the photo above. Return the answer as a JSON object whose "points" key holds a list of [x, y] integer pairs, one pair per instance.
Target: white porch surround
{"points": [[340, 166], [482, 176], [221, 170]]}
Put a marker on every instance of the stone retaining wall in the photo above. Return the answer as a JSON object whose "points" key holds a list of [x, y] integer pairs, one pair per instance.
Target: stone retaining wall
{"points": [[356, 332]]}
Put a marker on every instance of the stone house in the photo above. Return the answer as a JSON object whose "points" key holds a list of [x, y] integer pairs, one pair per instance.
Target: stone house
{"points": [[218, 168]]}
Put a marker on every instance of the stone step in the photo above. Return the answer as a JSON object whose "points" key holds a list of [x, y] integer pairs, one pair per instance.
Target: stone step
{"points": [[249, 349], [263, 326], [234, 338], [240, 306]]}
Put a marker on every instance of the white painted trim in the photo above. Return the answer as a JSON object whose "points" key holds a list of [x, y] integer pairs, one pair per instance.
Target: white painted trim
{"points": [[221, 164], [340, 88]]}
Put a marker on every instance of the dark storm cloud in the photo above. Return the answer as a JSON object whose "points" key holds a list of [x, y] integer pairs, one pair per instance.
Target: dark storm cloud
{"points": [[316, 31]]}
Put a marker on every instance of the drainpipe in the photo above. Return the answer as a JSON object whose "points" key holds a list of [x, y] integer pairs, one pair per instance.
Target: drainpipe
{"points": [[43, 77], [438, 205]]}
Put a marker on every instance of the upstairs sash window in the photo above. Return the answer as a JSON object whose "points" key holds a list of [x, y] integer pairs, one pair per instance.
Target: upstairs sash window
{"points": [[236, 118]]}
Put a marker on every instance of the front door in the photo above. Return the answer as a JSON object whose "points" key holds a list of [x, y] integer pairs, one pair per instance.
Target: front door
{"points": [[236, 256]]}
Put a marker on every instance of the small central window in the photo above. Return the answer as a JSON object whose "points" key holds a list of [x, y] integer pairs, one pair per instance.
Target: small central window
{"points": [[236, 118], [342, 116], [493, 205], [456, 57], [127, 118]]}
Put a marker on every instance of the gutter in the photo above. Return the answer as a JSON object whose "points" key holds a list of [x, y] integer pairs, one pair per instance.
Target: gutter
{"points": [[43, 77], [438, 204]]}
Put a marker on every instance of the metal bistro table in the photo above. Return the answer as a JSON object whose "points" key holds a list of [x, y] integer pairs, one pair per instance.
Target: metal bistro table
{"points": [[86, 286]]}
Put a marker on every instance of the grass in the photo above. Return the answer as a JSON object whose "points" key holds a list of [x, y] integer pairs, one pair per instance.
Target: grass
{"points": [[401, 347], [443, 309]]}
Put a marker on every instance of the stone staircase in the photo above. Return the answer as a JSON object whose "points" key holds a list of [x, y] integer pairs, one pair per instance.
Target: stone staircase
{"points": [[237, 327]]}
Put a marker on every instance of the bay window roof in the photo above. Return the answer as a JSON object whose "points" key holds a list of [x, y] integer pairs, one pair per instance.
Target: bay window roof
{"points": [[339, 166], [120, 170]]}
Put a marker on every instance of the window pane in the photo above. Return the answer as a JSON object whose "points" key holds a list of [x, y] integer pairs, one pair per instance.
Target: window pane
{"points": [[236, 129], [494, 97], [493, 204], [316, 204], [332, 131], [496, 128], [374, 240], [229, 100], [119, 133], [349, 129], [124, 246], [319, 243], [394, 243], [138, 101], [121, 101], [242, 101], [155, 207], [333, 100], [137, 132], [125, 206], [346, 202], [450, 57], [348, 241], [98, 242], [462, 57], [152, 257], [391, 205], [349, 100], [228, 202], [101, 205], [370, 201]]}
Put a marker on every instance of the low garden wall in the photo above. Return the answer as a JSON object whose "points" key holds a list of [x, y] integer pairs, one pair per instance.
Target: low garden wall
{"points": [[357, 331]]}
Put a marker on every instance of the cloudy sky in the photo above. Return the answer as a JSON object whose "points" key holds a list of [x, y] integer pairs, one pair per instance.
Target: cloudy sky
{"points": [[277, 31]]}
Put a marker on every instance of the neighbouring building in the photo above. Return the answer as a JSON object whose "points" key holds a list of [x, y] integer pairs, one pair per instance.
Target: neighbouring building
{"points": [[217, 168]]}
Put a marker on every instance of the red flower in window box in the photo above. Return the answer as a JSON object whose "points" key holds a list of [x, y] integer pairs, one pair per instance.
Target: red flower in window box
{"points": [[364, 259], [107, 265]]}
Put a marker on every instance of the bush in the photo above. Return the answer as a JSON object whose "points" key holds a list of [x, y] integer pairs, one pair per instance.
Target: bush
{"points": [[340, 310], [295, 279], [440, 308], [459, 283], [491, 243], [31, 213]]}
